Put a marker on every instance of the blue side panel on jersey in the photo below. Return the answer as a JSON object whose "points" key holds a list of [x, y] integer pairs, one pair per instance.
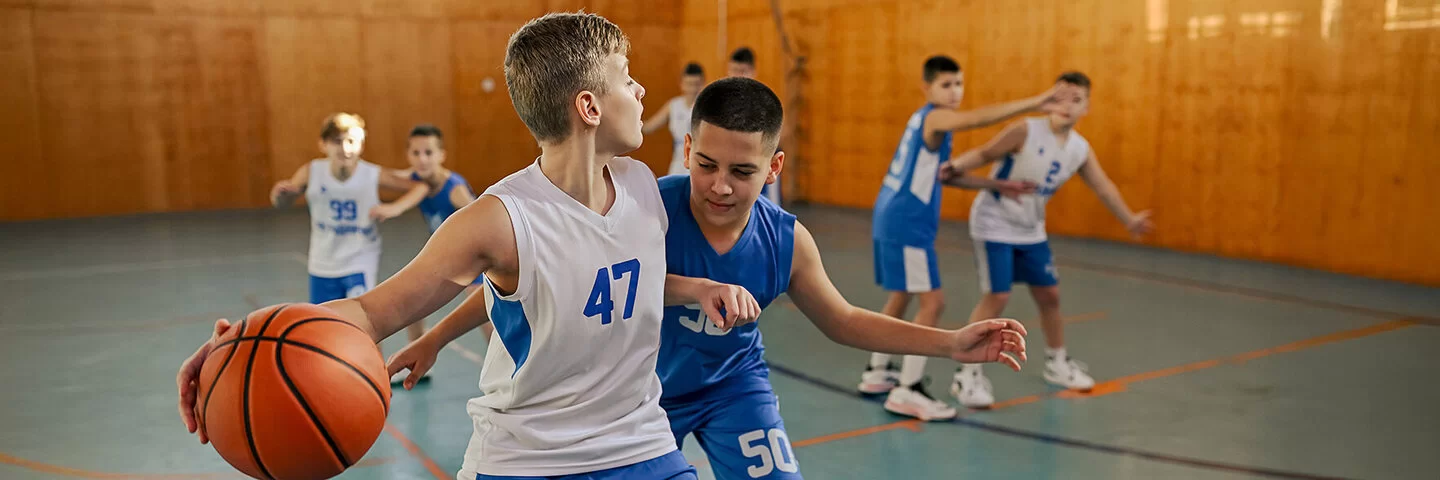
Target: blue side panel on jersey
{"points": [[1004, 173], [513, 327]]}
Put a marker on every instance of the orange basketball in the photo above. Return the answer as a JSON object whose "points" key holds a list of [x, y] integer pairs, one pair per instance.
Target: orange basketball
{"points": [[293, 392]]}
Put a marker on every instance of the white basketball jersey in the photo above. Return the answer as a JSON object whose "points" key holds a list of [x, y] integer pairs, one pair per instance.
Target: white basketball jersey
{"points": [[679, 123], [569, 384], [343, 238], [1042, 160]]}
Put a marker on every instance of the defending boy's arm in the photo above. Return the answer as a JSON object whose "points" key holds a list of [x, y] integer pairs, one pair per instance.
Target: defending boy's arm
{"points": [[1099, 182], [415, 192], [945, 120], [1009, 140], [846, 324]]}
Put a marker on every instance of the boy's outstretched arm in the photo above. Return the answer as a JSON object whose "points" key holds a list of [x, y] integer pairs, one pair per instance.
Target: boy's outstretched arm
{"points": [[415, 192], [816, 297], [471, 242], [1137, 223]]}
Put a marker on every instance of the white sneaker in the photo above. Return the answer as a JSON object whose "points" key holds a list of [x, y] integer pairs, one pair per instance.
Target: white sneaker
{"points": [[1068, 373], [972, 388], [875, 381], [914, 402]]}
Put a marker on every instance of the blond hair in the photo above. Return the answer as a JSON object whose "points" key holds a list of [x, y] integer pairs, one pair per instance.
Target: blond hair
{"points": [[339, 123], [553, 58]]}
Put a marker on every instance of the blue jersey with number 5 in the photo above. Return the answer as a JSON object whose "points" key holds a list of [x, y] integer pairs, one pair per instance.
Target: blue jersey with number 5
{"points": [[695, 355]]}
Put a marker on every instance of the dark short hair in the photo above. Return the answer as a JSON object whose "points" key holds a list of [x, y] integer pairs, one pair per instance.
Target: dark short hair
{"points": [[693, 68], [939, 64], [740, 105], [428, 130], [743, 55], [1075, 78]]}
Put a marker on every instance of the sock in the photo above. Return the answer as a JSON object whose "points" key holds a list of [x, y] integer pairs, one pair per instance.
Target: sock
{"points": [[879, 361], [1055, 354], [912, 370]]}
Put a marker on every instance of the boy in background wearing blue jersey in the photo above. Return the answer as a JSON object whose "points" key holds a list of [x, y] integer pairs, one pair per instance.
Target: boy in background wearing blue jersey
{"points": [[571, 248], [906, 220], [715, 380], [342, 191], [449, 192], [1009, 233]]}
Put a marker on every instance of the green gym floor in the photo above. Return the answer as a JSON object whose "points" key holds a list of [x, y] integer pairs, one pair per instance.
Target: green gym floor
{"points": [[1207, 367]]}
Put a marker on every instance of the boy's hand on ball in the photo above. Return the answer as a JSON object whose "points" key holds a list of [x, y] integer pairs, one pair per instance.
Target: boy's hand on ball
{"points": [[188, 377]]}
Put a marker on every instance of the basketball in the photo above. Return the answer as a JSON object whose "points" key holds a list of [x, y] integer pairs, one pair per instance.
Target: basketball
{"points": [[293, 392]]}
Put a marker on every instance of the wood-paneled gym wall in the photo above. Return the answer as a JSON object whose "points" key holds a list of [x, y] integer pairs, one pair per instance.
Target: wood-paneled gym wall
{"points": [[1297, 131], [129, 106]]}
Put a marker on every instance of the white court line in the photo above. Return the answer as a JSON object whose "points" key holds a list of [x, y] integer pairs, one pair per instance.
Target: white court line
{"points": [[73, 272], [467, 353]]}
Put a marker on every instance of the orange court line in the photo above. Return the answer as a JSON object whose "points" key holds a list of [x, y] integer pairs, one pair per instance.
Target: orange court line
{"points": [[419, 454], [912, 425], [1119, 384]]}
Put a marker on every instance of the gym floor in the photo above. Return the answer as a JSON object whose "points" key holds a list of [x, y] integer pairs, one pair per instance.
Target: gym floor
{"points": [[1207, 367]]}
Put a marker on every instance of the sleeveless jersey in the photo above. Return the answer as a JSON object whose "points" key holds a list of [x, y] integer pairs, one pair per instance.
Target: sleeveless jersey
{"points": [[437, 206], [1041, 160], [695, 355], [569, 383], [343, 238], [679, 123], [907, 211]]}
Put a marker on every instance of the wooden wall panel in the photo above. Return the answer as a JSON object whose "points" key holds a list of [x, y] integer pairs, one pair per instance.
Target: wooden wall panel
{"points": [[1294, 131], [19, 116], [312, 69], [490, 140], [655, 63], [406, 78]]}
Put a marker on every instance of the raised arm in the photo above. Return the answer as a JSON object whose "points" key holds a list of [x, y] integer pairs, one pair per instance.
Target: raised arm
{"points": [[944, 120]]}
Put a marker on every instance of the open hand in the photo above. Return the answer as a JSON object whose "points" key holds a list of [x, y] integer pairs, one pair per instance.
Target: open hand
{"points": [[994, 340]]}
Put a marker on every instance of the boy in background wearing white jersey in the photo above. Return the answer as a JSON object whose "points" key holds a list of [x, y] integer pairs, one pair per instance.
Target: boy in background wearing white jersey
{"points": [[676, 114], [342, 191], [1009, 233], [907, 218], [573, 250]]}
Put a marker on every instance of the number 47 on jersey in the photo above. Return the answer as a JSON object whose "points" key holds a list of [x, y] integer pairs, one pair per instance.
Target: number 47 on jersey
{"points": [[600, 302]]}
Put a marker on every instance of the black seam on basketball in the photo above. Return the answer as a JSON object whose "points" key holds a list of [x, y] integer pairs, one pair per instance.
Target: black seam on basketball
{"points": [[245, 406], [314, 419], [373, 386], [205, 409], [384, 404]]}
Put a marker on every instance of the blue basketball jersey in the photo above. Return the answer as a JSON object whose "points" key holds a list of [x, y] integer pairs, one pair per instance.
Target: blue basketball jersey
{"points": [[907, 211], [695, 355], [437, 207]]}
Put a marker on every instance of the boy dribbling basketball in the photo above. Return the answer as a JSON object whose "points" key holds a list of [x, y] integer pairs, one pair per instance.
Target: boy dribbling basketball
{"points": [[572, 249]]}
